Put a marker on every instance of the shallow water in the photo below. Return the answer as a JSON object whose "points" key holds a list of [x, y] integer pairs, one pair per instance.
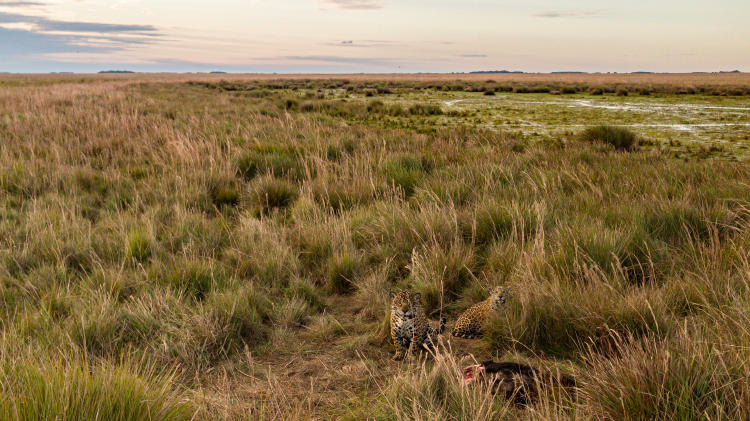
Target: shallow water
{"points": [[669, 121]]}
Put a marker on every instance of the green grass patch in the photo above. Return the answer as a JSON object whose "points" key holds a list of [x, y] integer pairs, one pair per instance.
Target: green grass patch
{"points": [[405, 172], [279, 161], [140, 245]]}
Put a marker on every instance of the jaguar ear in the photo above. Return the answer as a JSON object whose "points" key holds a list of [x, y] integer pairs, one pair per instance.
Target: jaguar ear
{"points": [[504, 295], [392, 294], [417, 296]]}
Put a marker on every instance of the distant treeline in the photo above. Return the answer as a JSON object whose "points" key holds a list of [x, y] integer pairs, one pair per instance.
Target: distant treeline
{"points": [[490, 72]]}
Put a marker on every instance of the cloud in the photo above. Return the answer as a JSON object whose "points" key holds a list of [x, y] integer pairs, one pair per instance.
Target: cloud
{"points": [[42, 24], [26, 43], [98, 27], [360, 44], [473, 55], [339, 59], [356, 4], [567, 14], [20, 3], [35, 37]]}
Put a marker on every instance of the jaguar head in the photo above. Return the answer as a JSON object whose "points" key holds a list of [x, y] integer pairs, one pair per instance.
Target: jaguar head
{"points": [[498, 297], [404, 303]]}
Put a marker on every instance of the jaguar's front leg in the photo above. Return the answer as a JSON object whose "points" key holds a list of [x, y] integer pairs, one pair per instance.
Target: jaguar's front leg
{"points": [[414, 347], [400, 352]]}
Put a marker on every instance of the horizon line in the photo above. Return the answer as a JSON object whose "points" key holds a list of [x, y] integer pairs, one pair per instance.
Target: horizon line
{"points": [[111, 72]]}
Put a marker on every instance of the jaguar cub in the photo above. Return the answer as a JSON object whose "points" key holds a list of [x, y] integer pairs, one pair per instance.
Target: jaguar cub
{"points": [[410, 329], [470, 324]]}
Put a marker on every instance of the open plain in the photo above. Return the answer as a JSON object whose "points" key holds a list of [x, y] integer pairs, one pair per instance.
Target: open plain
{"points": [[223, 246]]}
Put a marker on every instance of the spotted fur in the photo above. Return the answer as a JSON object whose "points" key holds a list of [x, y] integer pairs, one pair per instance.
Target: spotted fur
{"points": [[471, 323], [410, 328]]}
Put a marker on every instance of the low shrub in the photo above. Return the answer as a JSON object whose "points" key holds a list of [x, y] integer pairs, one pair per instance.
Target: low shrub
{"points": [[106, 327], [341, 196], [307, 107]]}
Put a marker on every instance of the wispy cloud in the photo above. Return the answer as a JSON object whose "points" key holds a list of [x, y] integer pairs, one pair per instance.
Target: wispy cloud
{"points": [[340, 59], [356, 4], [37, 37], [473, 55], [361, 44], [31, 44], [20, 3], [98, 27], [567, 14], [41, 24]]}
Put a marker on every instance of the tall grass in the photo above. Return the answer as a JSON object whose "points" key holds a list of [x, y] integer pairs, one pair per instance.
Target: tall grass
{"points": [[701, 373]]}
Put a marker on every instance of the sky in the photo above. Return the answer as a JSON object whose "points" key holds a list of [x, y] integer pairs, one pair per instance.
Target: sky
{"points": [[374, 36]]}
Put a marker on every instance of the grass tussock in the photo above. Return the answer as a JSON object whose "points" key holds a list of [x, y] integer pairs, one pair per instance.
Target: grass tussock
{"points": [[139, 245], [620, 138], [270, 193], [279, 161], [405, 172]]}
